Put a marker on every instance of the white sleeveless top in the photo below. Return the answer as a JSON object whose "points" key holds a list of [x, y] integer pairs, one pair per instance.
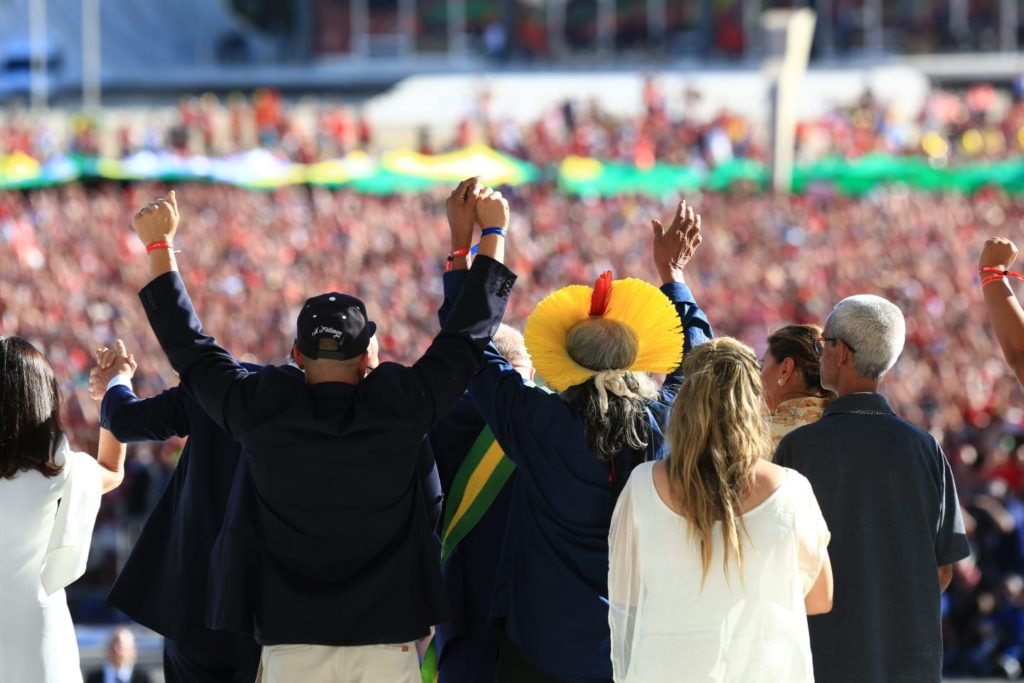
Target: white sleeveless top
{"points": [[745, 629]]}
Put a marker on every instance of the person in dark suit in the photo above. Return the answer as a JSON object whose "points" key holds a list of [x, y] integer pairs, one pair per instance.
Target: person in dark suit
{"points": [[334, 549], [156, 588], [120, 664], [164, 583], [467, 644]]}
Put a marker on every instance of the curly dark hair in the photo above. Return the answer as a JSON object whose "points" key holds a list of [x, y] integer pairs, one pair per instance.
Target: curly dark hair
{"points": [[30, 403]]}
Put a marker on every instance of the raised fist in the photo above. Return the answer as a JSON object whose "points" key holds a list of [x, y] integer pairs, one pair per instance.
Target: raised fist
{"points": [[158, 220]]}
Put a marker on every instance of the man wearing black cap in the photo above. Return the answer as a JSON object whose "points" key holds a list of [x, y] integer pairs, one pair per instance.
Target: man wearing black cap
{"points": [[331, 543], [337, 317]]}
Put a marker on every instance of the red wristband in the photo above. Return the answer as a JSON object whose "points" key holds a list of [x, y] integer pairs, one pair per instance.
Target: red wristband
{"points": [[162, 244], [996, 274], [452, 255], [990, 279]]}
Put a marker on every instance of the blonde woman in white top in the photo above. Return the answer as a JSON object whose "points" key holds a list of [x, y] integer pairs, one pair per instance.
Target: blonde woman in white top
{"points": [[716, 555], [49, 497]]}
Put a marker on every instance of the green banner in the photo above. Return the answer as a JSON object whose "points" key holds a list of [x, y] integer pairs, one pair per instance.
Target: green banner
{"points": [[408, 172]]}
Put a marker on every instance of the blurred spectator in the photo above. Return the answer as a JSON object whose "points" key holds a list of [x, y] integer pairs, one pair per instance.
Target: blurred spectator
{"points": [[120, 664], [979, 123]]}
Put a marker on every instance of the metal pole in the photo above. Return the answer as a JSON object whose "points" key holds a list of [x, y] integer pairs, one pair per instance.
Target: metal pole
{"points": [[456, 27], [1009, 18], [959, 20], [358, 38], [302, 49], [873, 20], [798, 28], [707, 28], [605, 27], [407, 26], [556, 26], [38, 51], [827, 26], [750, 15], [656, 22], [91, 55]]}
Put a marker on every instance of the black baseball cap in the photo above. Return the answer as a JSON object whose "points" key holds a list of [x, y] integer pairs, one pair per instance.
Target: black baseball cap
{"points": [[334, 316]]}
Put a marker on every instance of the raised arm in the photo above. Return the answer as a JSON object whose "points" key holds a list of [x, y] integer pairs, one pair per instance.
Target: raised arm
{"points": [[474, 311], [129, 418], [1004, 310], [222, 386], [498, 382], [672, 250], [111, 452]]}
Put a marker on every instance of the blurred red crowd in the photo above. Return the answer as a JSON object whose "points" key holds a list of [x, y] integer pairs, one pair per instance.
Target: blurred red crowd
{"points": [[71, 268]]}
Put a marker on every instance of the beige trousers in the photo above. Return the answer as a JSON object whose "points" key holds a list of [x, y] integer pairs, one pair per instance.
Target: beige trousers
{"points": [[330, 664]]}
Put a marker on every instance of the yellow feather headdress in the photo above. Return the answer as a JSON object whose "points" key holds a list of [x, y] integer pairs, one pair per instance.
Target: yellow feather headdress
{"points": [[638, 305]]}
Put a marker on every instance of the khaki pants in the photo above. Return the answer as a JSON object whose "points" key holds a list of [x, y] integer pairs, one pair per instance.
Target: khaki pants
{"points": [[329, 664]]}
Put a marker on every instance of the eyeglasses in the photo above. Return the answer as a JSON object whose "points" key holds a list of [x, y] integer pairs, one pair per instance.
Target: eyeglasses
{"points": [[819, 344]]}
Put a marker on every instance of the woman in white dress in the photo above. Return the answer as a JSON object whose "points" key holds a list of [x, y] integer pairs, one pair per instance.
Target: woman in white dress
{"points": [[49, 497], [716, 555]]}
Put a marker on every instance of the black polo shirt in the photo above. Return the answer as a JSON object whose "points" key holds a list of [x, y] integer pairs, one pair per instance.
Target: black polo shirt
{"points": [[887, 494]]}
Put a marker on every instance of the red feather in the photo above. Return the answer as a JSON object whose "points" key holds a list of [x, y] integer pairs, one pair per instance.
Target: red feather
{"points": [[602, 294]]}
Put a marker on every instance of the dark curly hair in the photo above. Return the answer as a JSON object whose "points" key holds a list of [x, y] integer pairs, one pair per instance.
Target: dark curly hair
{"points": [[29, 410]]}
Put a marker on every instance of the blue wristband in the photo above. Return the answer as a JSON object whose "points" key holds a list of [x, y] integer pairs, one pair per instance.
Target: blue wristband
{"points": [[493, 231]]}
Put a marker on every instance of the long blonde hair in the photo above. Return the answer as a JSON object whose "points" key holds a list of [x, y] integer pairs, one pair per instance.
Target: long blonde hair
{"points": [[717, 435]]}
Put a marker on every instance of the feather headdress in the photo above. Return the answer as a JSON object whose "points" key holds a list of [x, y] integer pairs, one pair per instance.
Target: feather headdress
{"points": [[638, 305]]}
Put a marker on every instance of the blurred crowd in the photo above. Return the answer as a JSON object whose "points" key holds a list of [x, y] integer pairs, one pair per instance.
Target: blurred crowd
{"points": [[521, 30], [976, 124], [70, 270]]}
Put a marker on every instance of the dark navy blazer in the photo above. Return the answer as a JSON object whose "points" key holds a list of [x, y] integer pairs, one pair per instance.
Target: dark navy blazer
{"points": [[164, 582], [337, 547]]}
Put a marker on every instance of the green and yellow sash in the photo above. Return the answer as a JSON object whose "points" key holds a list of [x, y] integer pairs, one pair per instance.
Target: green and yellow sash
{"points": [[477, 484]]}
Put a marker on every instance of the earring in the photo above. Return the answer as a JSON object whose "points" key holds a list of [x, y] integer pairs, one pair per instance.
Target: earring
{"points": [[781, 381]]}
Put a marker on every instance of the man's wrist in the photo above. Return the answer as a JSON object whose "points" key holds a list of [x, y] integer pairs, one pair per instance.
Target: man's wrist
{"points": [[162, 261], [162, 243]]}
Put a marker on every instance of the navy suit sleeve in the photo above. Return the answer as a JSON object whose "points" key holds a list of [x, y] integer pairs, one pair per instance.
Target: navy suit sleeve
{"points": [[223, 387], [696, 331], [431, 386], [498, 391], [151, 419], [505, 400]]}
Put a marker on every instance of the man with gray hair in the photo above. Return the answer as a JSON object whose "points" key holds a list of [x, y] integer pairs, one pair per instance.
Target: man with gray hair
{"points": [[887, 493]]}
